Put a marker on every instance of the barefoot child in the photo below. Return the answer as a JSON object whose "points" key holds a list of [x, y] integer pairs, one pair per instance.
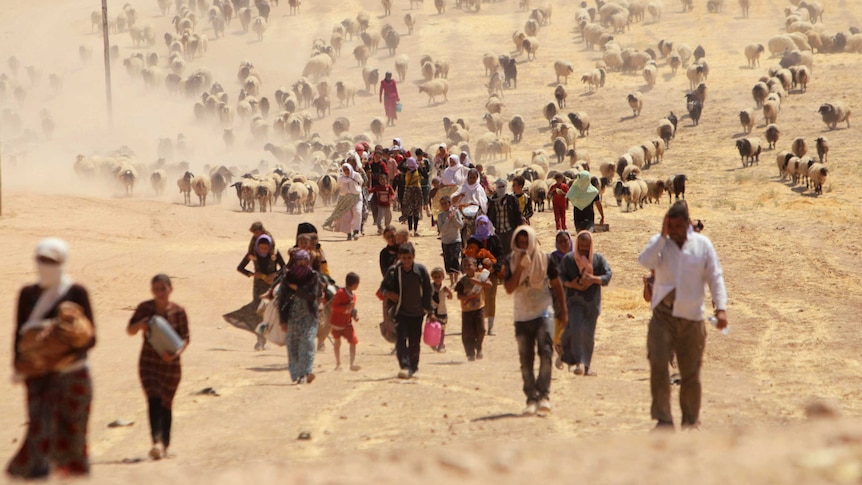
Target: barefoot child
{"points": [[439, 296], [470, 292], [450, 223], [342, 318]]}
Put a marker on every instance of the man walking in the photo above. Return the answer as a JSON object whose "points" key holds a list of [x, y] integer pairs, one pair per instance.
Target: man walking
{"points": [[504, 212], [684, 262], [536, 287], [408, 285]]}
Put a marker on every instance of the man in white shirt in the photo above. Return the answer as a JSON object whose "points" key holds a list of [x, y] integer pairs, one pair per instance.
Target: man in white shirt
{"points": [[684, 262]]}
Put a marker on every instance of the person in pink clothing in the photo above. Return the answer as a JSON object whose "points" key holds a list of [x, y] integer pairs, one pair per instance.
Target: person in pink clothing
{"points": [[389, 98]]}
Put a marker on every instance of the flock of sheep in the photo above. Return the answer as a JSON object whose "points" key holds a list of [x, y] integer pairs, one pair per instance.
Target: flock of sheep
{"points": [[283, 123], [796, 47]]}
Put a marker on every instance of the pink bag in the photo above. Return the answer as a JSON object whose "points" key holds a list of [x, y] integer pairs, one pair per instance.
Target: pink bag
{"points": [[432, 333]]}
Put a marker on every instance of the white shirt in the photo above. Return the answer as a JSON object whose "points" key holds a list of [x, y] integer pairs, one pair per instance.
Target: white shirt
{"points": [[687, 270], [473, 195], [454, 175]]}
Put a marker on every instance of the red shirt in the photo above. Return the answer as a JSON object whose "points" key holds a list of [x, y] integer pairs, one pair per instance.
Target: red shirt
{"points": [[559, 199], [384, 194], [342, 308]]}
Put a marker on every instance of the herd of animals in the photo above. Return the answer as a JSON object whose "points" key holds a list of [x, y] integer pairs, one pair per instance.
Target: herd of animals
{"points": [[306, 162]]}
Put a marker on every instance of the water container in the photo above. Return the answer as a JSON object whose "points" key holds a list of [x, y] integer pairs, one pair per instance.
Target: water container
{"points": [[432, 333], [163, 337], [397, 107]]}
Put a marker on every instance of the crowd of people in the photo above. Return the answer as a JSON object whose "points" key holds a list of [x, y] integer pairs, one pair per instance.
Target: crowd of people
{"points": [[296, 304]]}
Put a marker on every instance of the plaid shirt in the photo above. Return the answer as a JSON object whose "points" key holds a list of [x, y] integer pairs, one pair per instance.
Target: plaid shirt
{"points": [[504, 212], [159, 378]]}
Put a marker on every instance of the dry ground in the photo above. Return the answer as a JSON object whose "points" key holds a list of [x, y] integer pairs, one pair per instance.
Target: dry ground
{"points": [[791, 262]]}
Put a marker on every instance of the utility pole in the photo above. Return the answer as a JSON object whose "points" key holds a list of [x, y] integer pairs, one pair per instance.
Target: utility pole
{"points": [[107, 63]]}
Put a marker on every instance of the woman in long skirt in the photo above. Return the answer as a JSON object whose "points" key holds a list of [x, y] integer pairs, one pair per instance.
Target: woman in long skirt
{"points": [[267, 263], [412, 208], [299, 296], [389, 97], [583, 274], [160, 373], [58, 401], [347, 215]]}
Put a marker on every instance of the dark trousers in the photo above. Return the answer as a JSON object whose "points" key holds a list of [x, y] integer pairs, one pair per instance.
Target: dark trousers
{"points": [[160, 421], [506, 241], [372, 208], [667, 335], [473, 331], [409, 332], [535, 336]]}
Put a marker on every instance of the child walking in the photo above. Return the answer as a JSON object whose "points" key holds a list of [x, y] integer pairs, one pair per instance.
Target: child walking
{"points": [[383, 192], [470, 292], [439, 296], [449, 223], [342, 317], [558, 200]]}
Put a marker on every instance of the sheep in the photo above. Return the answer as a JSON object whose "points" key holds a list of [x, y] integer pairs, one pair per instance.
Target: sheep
{"points": [[322, 106], [158, 179], [770, 111], [594, 78], [510, 71], [392, 39], [550, 111], [801, 76], [346, 93], [295, 196], [185, 185], [560, 148], [650, 73], [631, 172], [258, 25], [581, 122], [780, 43], [695, 75], [759, 92], [637, 156], [560, 95], [636, 103], [494, 122], [370, 77], [817, 173], [607, 169], [401, 66], [516, 126], [782, 159], [677, 183], [201, 184], [434, 88], [674, 61], [685, 53], [658, 144], [501, 146], [490, 62], [613, 59], [799, 147], [665, 131], [655, 189], [694, 108], [834, 113], [749, 150], [377, 128], [772, 134], [563, 69], [619, 191], [495, 84], [311, 200], [441, 69], [340, 125], [822, 148], [318, 66], [531, 46], [539, 192], [635, 192], [264, 193], [327, 187], [752, 54]]}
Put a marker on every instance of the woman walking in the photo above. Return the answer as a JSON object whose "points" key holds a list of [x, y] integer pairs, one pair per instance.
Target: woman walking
{"points": [[583, 274], [389, 97], [267, 263], [160, 373], [299, 296], [412, 208], [583, 196], [486, 239], [347, 215], [58, 399]]}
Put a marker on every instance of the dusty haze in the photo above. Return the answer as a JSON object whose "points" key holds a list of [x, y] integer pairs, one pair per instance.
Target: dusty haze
{"points": [[791, 259]]}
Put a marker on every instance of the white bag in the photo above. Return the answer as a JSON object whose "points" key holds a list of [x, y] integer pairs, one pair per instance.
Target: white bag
{"points": [[271, 326]]}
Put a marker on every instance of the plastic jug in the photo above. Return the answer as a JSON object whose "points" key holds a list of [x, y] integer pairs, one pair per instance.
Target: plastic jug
{"points": [[432, 333]]}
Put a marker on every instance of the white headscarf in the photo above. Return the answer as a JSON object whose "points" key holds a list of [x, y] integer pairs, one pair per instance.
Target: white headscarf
{"points": [[350, 184], [454, 175], [473, 194], [52, 279], [536, 269]]}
